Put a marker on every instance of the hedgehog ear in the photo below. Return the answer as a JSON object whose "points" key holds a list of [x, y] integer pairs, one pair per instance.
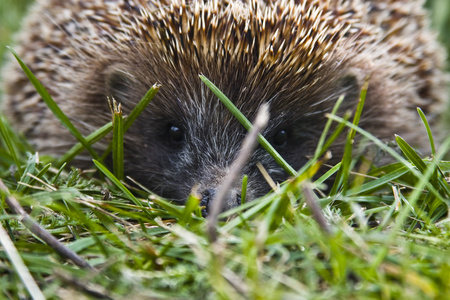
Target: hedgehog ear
{"points": [[350, 85], [118, 83], [349, 81]]}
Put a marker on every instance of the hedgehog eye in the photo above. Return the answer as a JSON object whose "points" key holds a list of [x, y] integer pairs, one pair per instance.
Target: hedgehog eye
{"points": [[281, 138], [175, 133]]}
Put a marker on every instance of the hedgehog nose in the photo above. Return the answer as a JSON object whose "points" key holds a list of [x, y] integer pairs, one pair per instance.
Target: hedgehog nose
{"points": [[208, 198]]}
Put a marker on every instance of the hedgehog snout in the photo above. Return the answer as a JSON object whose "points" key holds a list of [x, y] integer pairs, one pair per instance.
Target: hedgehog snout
{"points": [[232, 199]]}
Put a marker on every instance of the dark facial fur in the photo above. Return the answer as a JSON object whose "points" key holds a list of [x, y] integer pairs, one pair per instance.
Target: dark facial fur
{"points": [[297, 57], [187, 139]]}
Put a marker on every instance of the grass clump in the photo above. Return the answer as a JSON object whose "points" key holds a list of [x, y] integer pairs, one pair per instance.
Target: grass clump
{"points": [[383, 233]]}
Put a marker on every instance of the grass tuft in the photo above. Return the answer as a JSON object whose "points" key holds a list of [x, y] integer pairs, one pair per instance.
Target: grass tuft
{"points": [[368, 241]]}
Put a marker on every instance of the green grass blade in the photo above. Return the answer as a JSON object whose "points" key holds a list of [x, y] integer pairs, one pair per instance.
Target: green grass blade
{"points": [[322, 146], [117, 182], [7, 140], [424, 181], [388, 150], [343, 173], [255, 209], [409, 152], [30, 168], [175, 210], [53, 106], [427, 127], [378, 183], [59, 173], [137, 110], [244, 189], [140, 107], [327, 175], [246, 123], [30, 180], [443, 184], [90, 139], [191, 205], [360, 107], [332, 138], [117, 142]]}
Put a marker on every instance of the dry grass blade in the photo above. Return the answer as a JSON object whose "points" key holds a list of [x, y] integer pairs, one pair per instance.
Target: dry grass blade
{"points": [[316, 211], [246, 150], [19, 265]]}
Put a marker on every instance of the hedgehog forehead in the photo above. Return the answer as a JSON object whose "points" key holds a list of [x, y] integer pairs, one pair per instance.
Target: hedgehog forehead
{"points": [[295, 37], [248, 50]]}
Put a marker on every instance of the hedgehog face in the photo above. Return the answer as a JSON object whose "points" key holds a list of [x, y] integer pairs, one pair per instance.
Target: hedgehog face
{"points": [[175, 158], [186, 140], [186, 143]]}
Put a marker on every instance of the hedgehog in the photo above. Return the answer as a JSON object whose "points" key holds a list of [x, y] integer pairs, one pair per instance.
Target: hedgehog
{"points": [[297, 56]]}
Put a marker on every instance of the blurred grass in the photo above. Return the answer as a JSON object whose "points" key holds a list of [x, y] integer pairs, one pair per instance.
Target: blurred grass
{"points": [[440, 17], [11, 13]]}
